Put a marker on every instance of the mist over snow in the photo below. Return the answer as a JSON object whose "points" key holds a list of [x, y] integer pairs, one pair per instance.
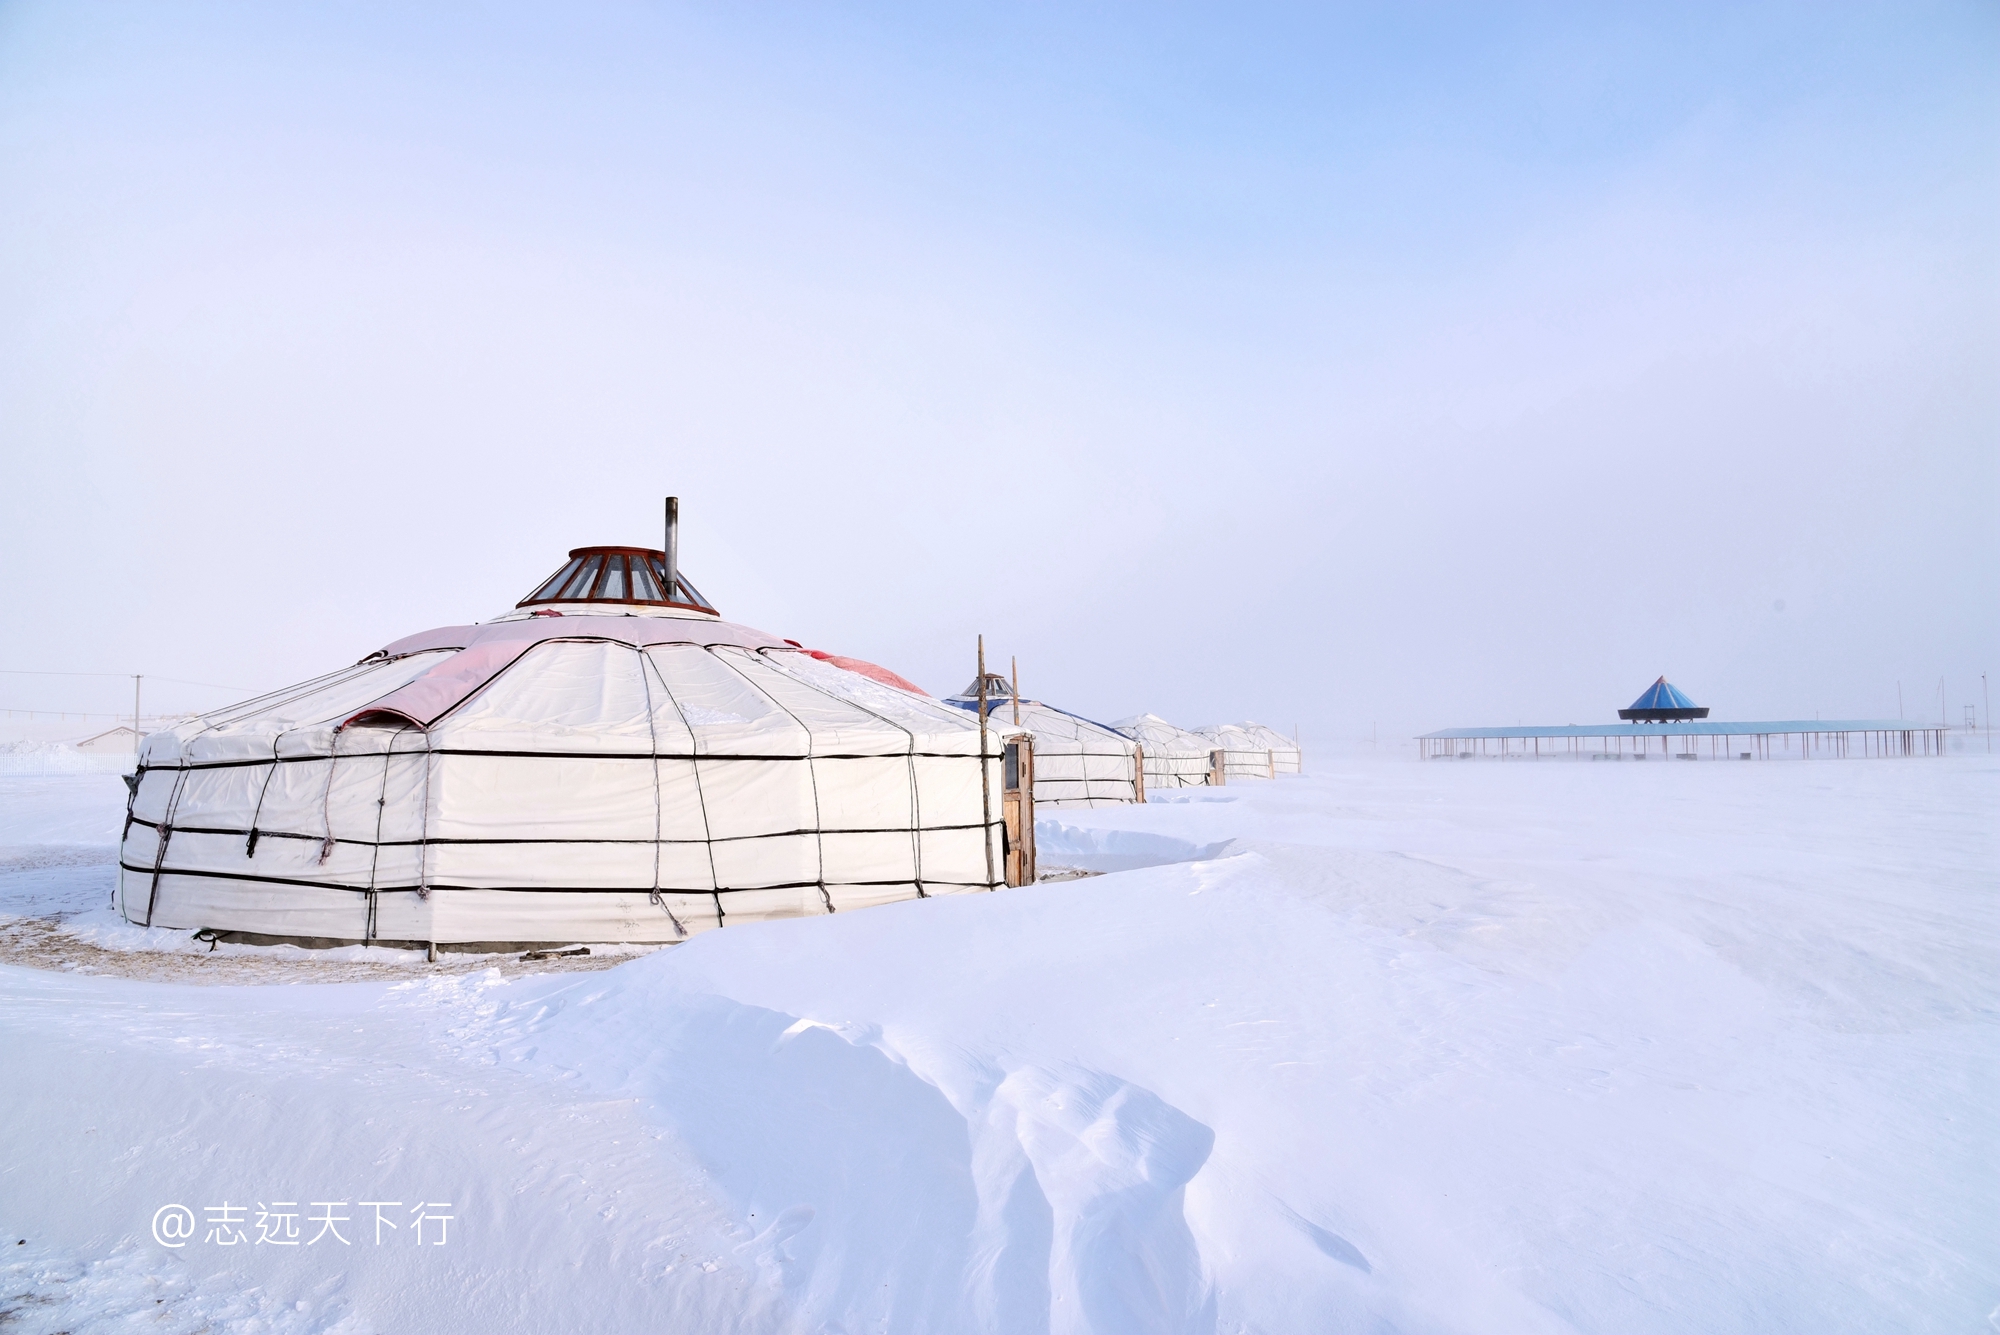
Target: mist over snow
{"points": [[1332, 369]]}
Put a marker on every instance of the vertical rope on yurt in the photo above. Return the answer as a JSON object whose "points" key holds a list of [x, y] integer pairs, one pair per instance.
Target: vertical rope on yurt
{"points": [[985, 773], [916, 814], [424, 828], [812, 776], [381, 806], [659, 820], [326, 798], [250, 846], [166, 833], [910, 752], [700, 797]]}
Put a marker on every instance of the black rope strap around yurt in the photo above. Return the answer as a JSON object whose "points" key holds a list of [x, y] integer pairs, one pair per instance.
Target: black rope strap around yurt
{"points": [[659, 815]]}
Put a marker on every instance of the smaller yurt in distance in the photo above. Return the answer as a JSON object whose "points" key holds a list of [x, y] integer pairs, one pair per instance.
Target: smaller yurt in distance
{"points": [[609, 761], [1078, 763], [1175, 757], [1286, 755], [1253, 751]]}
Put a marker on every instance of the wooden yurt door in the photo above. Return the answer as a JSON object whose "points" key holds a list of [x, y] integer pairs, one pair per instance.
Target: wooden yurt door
{"points": [[1017, 809]]}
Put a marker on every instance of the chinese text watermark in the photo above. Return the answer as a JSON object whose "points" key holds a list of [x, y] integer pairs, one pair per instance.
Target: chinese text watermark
{"points": [[305, 1224]]}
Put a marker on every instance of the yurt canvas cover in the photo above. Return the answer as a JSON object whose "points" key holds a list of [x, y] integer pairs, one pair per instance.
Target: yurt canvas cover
{"points": [[1286, 757], [637, 772], [1175, 757], [1253, 751], [1078, 763]]}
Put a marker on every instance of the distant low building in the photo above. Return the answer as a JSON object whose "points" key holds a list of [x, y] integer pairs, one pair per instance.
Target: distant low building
{"points": [[121, 740]]}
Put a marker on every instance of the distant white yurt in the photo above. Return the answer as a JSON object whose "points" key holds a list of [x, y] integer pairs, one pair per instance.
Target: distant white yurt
{"points": [[1286, 755], [610, 761], [1078, 763], [1175, 757], [1253, 751]]}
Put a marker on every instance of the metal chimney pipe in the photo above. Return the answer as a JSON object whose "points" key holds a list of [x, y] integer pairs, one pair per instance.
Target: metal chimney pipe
{"points": [[674, 549]]}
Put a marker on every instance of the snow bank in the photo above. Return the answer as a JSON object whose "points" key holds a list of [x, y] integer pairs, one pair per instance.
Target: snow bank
{"points": [[41, 759], [1443, 1048]]}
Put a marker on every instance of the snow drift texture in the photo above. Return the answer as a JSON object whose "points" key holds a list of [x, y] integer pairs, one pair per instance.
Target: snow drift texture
{"points": [[1404, 1047]]}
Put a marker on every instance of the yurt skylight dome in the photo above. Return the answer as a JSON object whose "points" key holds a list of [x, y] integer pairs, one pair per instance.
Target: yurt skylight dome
{"points": [[626, 575], [998, 689]]}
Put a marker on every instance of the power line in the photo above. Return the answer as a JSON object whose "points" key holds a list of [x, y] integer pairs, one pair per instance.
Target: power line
{"points": [[123, 676]]}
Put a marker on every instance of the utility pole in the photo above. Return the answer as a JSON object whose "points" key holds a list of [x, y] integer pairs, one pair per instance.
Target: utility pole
{"points": [[136, 678]]}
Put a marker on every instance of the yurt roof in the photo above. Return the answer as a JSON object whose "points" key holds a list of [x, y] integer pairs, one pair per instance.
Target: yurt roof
{"points": [[1270, 737], [483, 651], [1044, 720], [1152, 731], [605, 595]]}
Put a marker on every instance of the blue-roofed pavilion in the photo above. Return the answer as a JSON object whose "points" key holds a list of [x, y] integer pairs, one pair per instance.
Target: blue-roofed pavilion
{"points": [[1663, 703]]}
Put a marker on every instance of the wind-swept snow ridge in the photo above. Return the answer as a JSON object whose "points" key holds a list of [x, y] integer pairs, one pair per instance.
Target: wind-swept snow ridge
{"points": [[921, 1190], [1449, 1049]]}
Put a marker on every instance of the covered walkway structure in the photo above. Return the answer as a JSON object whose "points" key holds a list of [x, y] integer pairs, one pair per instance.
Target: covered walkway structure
{"points": [[1795, 739]]}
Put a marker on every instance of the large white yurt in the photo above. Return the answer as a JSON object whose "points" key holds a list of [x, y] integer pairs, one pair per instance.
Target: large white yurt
{"points": [[610, 761], [1253, 751], [1078, 763], [1175, 757]]}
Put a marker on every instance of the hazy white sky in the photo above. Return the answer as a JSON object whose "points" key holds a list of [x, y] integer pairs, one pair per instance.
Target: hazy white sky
{"points": [[1411, 366]]}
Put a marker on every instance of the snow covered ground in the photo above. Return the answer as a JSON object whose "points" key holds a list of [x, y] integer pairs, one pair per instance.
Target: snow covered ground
{"points": [[1393, 1046]]}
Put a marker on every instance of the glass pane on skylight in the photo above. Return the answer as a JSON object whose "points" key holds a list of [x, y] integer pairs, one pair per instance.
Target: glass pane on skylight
{"points": [[688, 594], [555, 583], [614, 578], [579, 587]]}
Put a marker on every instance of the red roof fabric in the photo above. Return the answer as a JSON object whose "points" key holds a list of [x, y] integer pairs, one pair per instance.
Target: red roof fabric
{"points": [[872, 671]]}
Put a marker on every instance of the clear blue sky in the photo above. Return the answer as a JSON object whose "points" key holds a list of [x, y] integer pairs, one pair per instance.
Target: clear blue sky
{"points": [[1411, 365]]}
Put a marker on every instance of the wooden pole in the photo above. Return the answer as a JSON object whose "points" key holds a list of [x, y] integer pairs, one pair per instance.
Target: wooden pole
{"points": [[1014, 669], [985, 778], [136, 678]]}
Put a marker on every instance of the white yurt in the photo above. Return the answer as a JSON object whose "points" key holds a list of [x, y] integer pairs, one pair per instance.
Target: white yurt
{"points": [[1078, 763], [1175, 757], [1253, 751], [1286, 755], [610, 761]]}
